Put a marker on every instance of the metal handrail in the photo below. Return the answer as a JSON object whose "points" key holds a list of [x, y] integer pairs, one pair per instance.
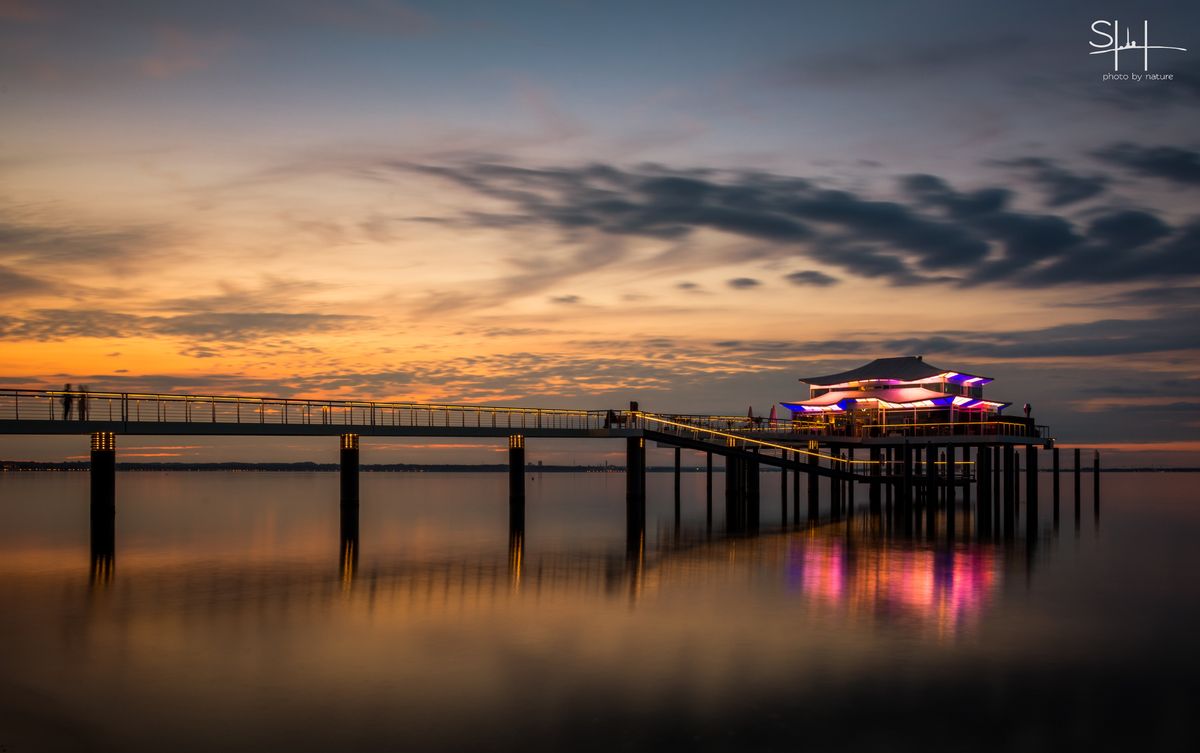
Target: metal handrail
{"points": [[43, 405]]}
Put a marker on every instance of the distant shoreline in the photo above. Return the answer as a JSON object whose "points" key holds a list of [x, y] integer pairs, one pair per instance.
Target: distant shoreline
{"points": [[16, 466]]}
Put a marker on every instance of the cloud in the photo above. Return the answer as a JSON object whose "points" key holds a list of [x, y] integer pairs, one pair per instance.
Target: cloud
{"points": [[743, 283], [15, 284], [811, 278], [1175, 164], [238, 327], [566, 299], [29, 239], [1060, 185]]}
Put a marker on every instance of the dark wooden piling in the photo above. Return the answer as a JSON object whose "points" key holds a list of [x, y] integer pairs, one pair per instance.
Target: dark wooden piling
{"points": [[983, 482], [753, 498], [516, 466], [635, 484], [951, 480], [873, 494], [1009, 492], [814, 497], [783, 487], [835, 490], [708, 488], [849, 467], [932, 487], [906, 487], [1096, 484], [103, 473], [1055, 466], [795, 455], [1031, 490], [678, 470]]}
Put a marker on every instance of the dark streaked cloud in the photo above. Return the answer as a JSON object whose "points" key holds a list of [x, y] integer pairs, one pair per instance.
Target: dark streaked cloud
{"points": [[1060, 185], [29, 238], [59, 324], [1178, 165], [812, 278], [935, 233], [742, 283], [14, 284]]}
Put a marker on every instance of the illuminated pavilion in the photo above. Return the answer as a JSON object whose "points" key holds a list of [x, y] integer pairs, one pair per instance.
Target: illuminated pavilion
{"points": [[894, 395]]}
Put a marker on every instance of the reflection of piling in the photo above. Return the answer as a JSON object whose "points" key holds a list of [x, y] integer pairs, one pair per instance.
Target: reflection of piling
{"points": [[516, 549], [349, 544], [1096, 484], [104, 544]]}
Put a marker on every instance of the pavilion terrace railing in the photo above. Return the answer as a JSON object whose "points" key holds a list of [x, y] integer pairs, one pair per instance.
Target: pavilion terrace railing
{"points": [[49, 405], [684, 426], [780, 428]]}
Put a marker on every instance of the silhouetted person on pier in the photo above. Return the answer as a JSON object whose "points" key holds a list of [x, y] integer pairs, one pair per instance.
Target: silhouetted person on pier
{"points": [[83, 402], [1028, 408], [67, 400]]}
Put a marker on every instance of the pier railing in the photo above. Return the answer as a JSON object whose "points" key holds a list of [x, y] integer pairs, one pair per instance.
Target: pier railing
{"points": [[51, 405], [1003, 427]]}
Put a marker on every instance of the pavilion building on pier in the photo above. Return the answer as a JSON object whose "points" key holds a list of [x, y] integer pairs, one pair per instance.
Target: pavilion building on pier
{"points": [[899, 397]]}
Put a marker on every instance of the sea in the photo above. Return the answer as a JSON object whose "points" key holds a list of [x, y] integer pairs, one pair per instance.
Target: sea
{"points": [[252, 611]]}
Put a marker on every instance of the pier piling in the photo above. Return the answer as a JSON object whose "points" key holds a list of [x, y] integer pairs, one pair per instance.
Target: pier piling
{"points": [[814, 497], [983, 480], [795, 489], [349, 469], [1055, 466], [104, 473], [1031, 490], [635, 485], [1009, 492], [708, 488]]}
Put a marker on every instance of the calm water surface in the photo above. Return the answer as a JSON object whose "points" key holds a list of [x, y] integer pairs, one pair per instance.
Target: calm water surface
{"points": [[239, 611]]}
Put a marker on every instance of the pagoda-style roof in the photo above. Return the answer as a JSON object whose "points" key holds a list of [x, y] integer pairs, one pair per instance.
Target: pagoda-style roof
{"points": [[899, 370]]}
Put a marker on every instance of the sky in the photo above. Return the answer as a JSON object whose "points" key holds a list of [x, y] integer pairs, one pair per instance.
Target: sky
{"points": [[579, 204]]}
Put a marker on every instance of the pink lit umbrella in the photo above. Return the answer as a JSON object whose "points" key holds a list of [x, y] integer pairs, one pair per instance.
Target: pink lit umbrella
{"points": [[772, 420]]}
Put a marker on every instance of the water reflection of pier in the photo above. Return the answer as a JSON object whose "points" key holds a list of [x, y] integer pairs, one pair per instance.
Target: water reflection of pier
{"points": [[866, 564]]}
